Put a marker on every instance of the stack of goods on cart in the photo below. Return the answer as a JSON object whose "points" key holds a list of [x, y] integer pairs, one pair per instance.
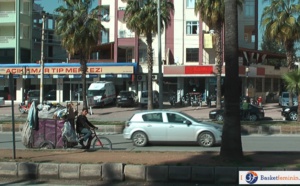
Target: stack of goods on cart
{"points": [[52, 111]]}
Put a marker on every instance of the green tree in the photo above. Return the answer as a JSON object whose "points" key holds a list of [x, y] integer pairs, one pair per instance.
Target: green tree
{"points": [[231, 147], [270, 45], [281, 22], [212, 13], [292, 80], [142, 19], [78, 26]]}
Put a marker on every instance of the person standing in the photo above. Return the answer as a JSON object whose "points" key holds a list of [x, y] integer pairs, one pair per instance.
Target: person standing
{"points": [[72, 113]]}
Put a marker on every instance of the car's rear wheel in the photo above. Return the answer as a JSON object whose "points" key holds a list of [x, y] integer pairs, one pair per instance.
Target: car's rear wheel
{"points": [[219, 117], [293, 116], [139, 139], [206, 139], [253, 117]]}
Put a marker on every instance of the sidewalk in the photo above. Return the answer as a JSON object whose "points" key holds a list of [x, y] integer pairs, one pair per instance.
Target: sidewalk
{"points": [[113, 113]]}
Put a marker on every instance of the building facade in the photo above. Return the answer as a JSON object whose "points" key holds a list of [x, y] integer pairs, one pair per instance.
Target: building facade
{"points": [[187, 48]]}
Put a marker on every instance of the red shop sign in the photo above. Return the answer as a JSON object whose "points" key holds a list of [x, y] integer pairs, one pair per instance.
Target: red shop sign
{"points": [[198, 69]]}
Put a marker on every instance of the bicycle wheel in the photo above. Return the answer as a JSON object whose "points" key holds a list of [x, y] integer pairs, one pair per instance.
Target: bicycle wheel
{"points": [[101, 143]]}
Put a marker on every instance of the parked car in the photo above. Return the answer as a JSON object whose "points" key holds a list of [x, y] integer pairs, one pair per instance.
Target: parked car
{"points": [[144, 98], [127, 98], [284, 99], [170, 126], [33, 95], [290, 112], [255, 113], [51, 95]]}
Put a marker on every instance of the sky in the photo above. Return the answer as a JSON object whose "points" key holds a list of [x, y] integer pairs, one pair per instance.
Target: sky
{"points": [[50, 5]]}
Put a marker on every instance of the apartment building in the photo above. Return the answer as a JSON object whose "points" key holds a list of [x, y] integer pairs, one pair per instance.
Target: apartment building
{"points": [[187, 48]]}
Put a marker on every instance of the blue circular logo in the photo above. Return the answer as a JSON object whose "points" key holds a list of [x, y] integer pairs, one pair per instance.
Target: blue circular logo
{"points": [[251, 177]]}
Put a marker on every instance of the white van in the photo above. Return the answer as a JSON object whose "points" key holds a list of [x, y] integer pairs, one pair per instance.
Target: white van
{"points": [[101, 93], [144, 98], [284, 99]]}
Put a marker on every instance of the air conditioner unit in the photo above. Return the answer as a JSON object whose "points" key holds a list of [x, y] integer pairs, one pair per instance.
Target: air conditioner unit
{"points": [[140, 78], [154, 77]]}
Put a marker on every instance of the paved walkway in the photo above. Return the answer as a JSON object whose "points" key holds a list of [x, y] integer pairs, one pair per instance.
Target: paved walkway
{"points": [[113, 113]]}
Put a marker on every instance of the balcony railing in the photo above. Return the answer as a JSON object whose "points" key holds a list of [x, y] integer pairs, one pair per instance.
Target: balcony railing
{"points": [[5, 39]]}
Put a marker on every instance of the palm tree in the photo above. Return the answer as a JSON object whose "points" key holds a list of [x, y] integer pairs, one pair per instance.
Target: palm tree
{"points": [[212, 13], [281, 22], [142, 19], [231, 147], [78, 26], [292, 80]]}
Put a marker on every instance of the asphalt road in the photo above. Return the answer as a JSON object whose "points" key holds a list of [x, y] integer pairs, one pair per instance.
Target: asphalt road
{"points": [[250, 143]]}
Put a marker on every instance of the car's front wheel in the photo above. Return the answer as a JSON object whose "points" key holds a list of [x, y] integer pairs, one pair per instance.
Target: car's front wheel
{"points": [[219, 117], [253, 117], [206, 139], [293, 116], [139, 139]]}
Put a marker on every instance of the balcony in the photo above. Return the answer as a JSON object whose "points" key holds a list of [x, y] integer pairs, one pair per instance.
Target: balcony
{"points": [[7, 16]]}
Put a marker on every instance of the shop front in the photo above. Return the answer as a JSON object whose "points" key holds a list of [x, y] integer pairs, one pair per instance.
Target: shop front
{"points": [[65, 78]]}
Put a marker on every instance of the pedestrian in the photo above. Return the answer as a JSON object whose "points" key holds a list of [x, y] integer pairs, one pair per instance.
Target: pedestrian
{"points": [[72, 113], [245, 109], [83, 126], [259, 101]]}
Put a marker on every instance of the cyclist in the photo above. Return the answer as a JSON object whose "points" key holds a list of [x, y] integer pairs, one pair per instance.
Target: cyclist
{"points": [[83, 126]]}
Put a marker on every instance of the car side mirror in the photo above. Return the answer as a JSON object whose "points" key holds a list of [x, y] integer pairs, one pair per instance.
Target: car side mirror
{"points": [[188, 122]]}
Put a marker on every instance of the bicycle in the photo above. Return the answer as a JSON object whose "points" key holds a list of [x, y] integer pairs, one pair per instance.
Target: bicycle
{"points": [[97, 142]]}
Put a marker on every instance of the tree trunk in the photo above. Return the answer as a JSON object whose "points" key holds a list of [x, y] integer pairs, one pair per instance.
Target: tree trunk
{"points": [[83, 69], [289, 46], [231, 146], [219, 63], [150, 69]]}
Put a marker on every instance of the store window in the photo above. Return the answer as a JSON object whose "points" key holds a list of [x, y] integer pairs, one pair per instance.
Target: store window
{"points": [[192, 27], [192, 54], [258, 84], [268, 84], [276, 85]]}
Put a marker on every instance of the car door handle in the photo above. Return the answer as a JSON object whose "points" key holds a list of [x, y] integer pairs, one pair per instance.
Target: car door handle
{"points": [[171, 126], [149, 125]]}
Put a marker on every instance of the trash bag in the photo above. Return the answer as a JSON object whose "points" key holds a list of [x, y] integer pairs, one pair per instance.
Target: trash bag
{"points": [[68, 132]]}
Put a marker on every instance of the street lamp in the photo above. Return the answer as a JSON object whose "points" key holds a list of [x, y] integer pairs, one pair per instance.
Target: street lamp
{"points": [[42, 59], [160, 75]]}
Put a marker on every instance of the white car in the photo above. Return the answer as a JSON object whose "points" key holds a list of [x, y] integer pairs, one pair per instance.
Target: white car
{"points": [[170, 126], [284, 99]]}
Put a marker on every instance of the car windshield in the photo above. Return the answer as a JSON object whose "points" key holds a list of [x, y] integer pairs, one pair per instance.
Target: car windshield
{"points": [[125, 93], [286, 95], [96, 92], [144, 94]]}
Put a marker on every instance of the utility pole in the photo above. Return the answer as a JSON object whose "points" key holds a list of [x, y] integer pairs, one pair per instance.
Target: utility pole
{"points": [[42, 60], [160, 75]]}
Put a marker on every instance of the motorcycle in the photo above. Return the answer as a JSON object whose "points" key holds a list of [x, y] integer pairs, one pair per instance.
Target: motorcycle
{"points": [[172, 99], [186, 100]]}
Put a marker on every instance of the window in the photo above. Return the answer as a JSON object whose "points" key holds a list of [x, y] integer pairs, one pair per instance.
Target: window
{"points": [[104, 36], [249, 9], [192, 54], [190, 3], [156, 117], [192, 27], [175, 118]]}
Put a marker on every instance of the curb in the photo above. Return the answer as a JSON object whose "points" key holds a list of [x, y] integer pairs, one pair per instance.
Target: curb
{"points": [[123, 172]]}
